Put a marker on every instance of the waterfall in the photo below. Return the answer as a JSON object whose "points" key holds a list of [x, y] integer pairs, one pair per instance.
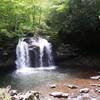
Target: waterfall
{"points": [[34, 52], [45, 49], [22, 52]]}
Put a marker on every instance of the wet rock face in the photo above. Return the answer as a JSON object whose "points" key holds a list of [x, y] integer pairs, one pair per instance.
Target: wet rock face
{"points": [[45, 58], [40, 51], [65, 52], [7, 55], [34, 53]]}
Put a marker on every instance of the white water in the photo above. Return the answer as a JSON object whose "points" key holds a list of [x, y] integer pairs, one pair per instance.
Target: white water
{"points": [[23, 53], [43, 44]]}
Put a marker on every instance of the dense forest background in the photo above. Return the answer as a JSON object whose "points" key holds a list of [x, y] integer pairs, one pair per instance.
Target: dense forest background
{"points": [[66, 21]]}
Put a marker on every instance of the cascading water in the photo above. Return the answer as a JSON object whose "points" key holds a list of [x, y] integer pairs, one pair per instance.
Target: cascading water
{"points": [[45, 48], [37, 50], [22, 52]]}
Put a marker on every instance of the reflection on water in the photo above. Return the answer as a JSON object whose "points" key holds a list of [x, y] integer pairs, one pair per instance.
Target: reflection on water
{"points": [[39, 77]]}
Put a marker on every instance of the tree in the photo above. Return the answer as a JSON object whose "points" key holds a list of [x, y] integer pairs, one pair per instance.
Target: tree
{"points": [[78, 23], [19, 17]]}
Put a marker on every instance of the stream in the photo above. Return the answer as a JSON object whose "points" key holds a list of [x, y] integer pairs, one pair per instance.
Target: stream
{"points": [[35, 78]]}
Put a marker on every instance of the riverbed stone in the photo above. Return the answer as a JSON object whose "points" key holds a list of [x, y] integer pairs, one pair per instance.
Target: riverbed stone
{"points": [[30, 95], [15, 97], [96, 77], [84, 90], [71, 86], [97, 85], [34, 92], [52, 85], [25, 96], [65, 95], [13, 92], [97, 90], [56, 94], [59, 94], [8, 88]]}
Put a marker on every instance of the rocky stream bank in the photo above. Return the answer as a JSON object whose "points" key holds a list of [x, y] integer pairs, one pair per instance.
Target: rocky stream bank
{"points": [[77, 89]]}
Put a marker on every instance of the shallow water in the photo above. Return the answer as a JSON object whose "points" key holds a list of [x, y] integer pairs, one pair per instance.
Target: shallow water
{"points": [[32, 78]]}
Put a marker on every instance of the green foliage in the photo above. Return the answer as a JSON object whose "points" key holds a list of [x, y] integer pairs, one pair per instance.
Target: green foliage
{"points": [[98, 6], [72, 20], [57, 15], [76, 21], [18, 17]]}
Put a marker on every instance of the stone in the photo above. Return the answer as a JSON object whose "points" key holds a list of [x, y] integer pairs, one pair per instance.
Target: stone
{"points": [[84, 90], [8, 88], [71, 86], [30, 95], [25, 96], [13, 92], [59, 94], [96, 77], [34, 92], [21, 96], [56, 94], [15, 97], [65, 95], [52, 85], [97, 90], [98, 85]]}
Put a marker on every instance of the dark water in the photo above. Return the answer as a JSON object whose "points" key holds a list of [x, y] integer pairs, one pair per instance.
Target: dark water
{"points": [[36, 77]]}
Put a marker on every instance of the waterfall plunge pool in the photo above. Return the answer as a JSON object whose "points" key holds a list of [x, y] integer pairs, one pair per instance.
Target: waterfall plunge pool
{"points": [[35, 52], [39, 78]]}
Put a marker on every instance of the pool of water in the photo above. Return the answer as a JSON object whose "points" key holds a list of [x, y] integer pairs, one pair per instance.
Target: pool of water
{"points": [[31, 78]]}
